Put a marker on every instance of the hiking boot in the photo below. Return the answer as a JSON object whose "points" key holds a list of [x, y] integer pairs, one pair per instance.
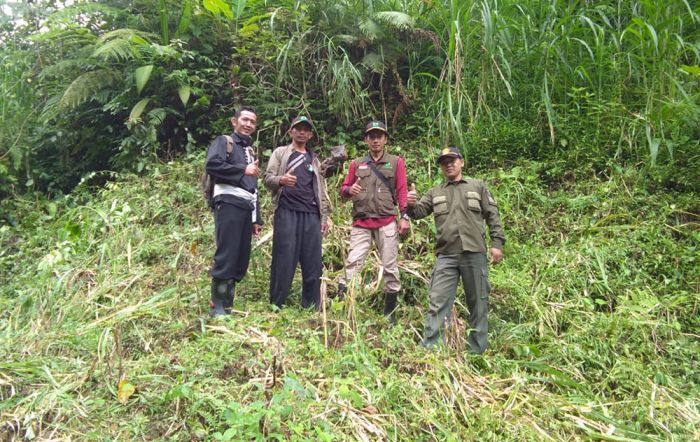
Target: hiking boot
{"points": [[390, 306], [221, 297], [216, 308], [228, 300]]}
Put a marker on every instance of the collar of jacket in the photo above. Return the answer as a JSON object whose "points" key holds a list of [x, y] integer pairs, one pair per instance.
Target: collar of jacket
{"points": [[309, 150], [461, 180], [243, 140], [369, 158]]}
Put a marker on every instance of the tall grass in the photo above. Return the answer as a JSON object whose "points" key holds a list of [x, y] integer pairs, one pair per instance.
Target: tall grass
{"points": [[551, 60]]}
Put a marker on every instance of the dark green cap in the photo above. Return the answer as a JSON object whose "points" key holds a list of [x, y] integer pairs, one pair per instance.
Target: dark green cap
{"points": [[449, 152], [376, 125], [302, 119]]}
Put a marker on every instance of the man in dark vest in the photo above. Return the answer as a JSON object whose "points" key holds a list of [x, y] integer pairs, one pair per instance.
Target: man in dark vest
{"points": [[294, 179], [236, 208], [376, 184]]}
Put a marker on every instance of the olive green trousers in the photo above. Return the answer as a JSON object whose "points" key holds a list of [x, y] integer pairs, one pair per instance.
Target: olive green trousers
{"points": [[472, 267]]}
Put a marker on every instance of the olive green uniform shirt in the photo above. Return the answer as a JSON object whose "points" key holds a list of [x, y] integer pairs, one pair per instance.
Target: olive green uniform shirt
{"points": [[460, 209]]}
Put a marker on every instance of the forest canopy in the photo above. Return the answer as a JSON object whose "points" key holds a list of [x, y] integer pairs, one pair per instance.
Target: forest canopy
{"points": [[96, 86]]}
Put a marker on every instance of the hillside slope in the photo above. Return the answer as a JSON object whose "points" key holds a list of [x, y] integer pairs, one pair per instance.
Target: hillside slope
{"points": [[594, 324]]}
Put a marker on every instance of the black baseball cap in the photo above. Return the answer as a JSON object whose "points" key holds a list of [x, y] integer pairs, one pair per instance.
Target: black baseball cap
{"points": [[376, 125], [449, 152], [302, 119]]}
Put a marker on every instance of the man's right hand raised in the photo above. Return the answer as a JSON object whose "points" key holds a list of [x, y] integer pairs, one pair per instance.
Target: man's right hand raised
{"points": [[412, 196], [355, 189], [252, 169]]}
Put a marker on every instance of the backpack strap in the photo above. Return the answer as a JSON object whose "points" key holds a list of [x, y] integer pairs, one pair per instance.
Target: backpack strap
{"points": [[229, 151], [229, 145], [207, 181], [392, 186]]}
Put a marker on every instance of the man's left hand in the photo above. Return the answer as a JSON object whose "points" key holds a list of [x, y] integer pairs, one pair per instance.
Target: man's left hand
{"points": [[496, 255], [257, 228], [324, 228], [403, 226]]}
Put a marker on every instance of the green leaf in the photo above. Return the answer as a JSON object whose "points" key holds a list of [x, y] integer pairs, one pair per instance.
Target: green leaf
{"points": [[184, 93], [138, 110], [163, 15], [218, 7], [695, 70], [237, 7], [142, 75], [185, 18]]}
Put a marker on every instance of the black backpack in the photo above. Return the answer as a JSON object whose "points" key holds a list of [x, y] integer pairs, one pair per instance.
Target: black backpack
{"points": [[206, 181]]}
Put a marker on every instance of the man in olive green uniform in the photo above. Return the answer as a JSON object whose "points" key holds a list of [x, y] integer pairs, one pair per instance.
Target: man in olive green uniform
{"points": [[460, 207]]}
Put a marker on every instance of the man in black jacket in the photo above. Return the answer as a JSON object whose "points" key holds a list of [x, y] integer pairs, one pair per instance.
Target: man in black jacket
{"points": [[236, 209]]}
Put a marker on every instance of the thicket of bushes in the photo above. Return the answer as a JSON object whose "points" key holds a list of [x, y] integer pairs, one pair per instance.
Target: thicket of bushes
{"points": [[116, 84]]}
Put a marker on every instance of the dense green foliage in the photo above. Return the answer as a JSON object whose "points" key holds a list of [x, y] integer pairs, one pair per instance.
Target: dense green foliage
{"points": [[113, 84], [583, 117], [594, 324]]}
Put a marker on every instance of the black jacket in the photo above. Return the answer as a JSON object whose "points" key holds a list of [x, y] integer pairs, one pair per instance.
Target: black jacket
{"points": [[231, 169]]}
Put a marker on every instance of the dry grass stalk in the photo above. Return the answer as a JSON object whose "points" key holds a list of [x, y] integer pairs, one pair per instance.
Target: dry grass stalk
{"points": [[455, 331]]}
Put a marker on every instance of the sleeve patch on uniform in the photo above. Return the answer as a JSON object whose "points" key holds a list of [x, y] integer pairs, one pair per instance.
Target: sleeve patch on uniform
{"points": [[439, 199]]}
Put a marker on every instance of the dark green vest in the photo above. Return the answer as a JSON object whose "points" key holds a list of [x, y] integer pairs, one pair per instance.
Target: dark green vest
{"points": [[376, 199]]}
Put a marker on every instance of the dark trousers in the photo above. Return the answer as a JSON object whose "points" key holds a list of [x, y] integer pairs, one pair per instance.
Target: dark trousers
{"points": [[296, 239], [233, 229]]}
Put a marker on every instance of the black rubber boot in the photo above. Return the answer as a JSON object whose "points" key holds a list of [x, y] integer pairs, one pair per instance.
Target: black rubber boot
{"points": [[220, 301], [390, 306], [342, 289], [228, 300]]}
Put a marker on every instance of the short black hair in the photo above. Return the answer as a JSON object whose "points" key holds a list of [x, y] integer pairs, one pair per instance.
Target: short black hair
{"points": [[244, 109]]}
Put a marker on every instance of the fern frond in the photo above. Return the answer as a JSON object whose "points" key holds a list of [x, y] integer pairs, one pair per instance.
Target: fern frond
{"points": [[126, 33], [66, 35], [345, 38], [121, 44], [396, 19], [157, 116], [83, 10], [66, 67], [370, 29], [374, 61], [117, 49], [51, 108], [83, 88]]}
